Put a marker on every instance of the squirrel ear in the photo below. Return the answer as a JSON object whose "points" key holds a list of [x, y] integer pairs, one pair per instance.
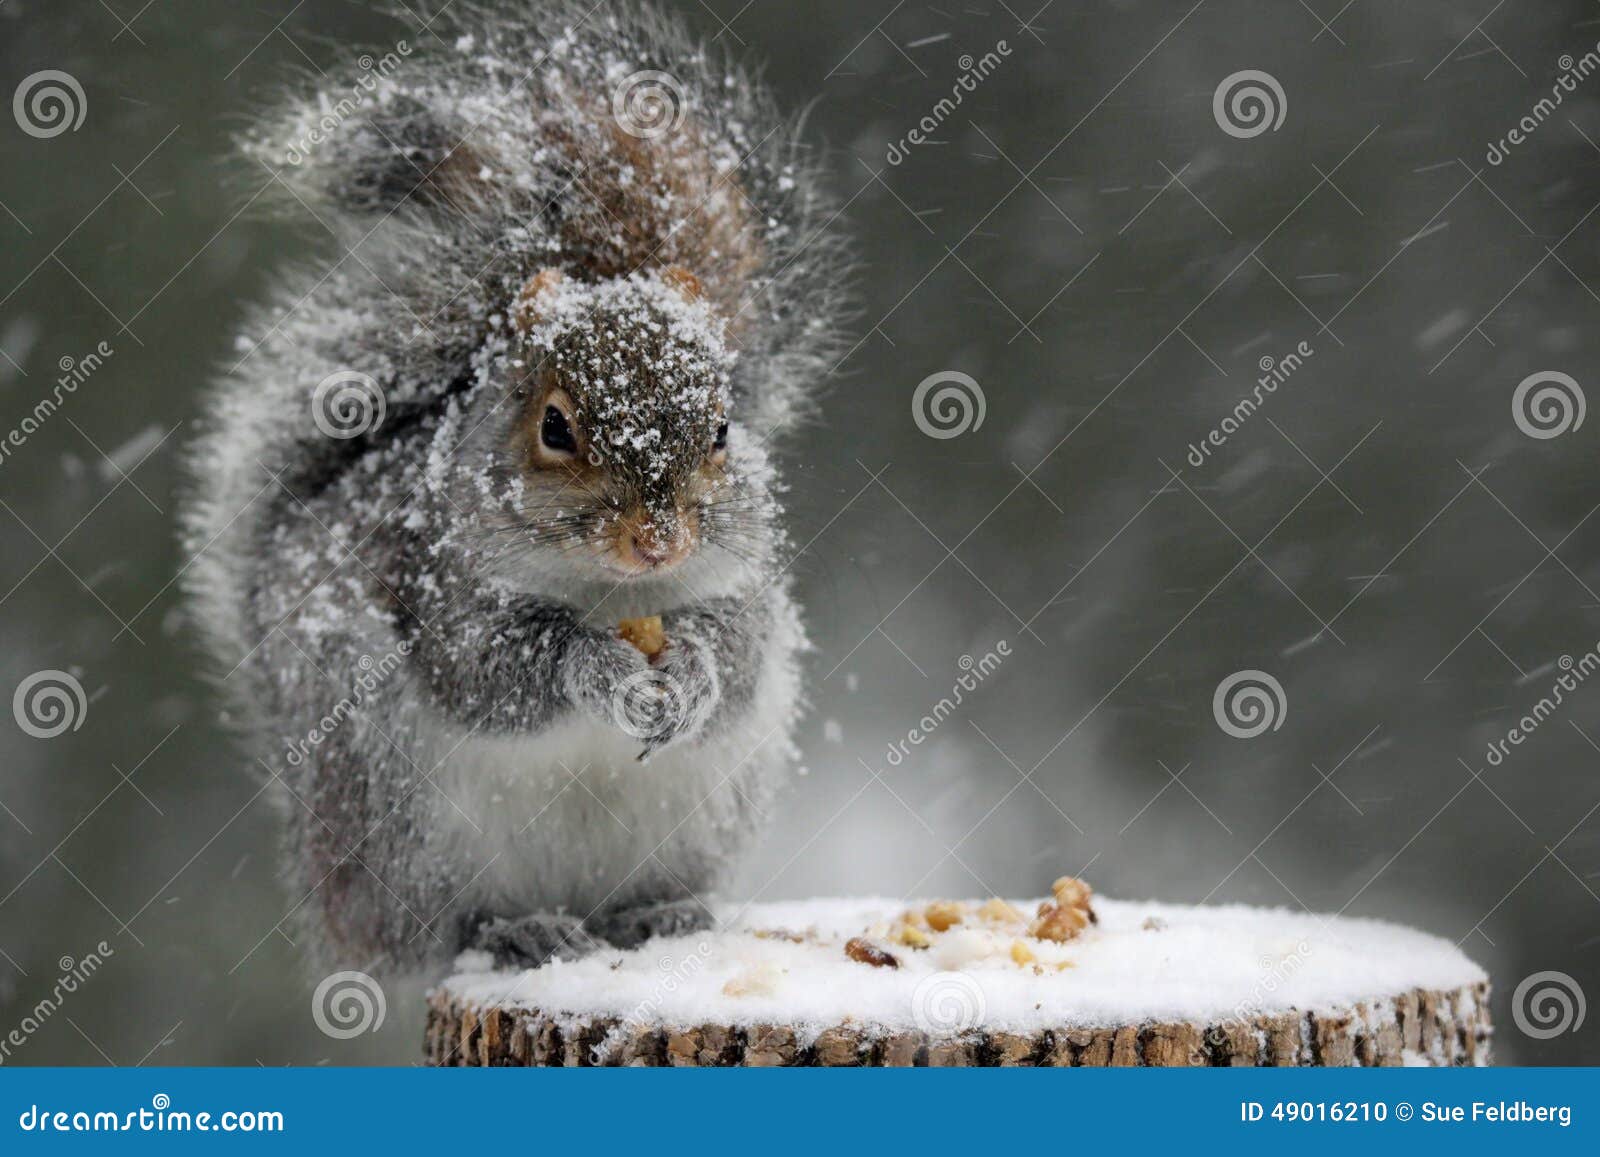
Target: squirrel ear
{"points": [[535, 294], [683, 281]]}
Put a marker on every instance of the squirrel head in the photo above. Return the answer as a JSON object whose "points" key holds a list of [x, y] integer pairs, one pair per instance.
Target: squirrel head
{"points": [[622, 446]]}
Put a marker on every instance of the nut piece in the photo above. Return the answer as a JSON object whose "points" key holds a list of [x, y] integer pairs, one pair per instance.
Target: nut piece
{"points": [[997, 911], [762, 980], [942, 915], [645, 634], [863, 951], [1071, 890], [1021, 954], [912, 936], [1068, 915]]}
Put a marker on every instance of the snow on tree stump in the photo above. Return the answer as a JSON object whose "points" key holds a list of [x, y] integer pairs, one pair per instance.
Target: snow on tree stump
{"points": [[1149, 984]]}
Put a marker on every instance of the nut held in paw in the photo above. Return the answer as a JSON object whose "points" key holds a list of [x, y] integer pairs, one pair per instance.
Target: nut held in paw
{"points": [[644, 633]]}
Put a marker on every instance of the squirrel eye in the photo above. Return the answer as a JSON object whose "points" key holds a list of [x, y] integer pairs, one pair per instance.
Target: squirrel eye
{"points": [[722, 437], [556, 432]]}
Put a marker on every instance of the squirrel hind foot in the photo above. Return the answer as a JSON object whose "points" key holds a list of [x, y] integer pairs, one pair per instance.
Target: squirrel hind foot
{"points": [[534, 940], [630, 927]]}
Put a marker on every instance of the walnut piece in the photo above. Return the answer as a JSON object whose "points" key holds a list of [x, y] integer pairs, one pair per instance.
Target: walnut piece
{"points": [[1067, 915]]}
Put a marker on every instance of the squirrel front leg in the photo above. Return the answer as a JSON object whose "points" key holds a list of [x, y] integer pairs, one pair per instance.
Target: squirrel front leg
{"points": [[517, 663], [709, 669]]}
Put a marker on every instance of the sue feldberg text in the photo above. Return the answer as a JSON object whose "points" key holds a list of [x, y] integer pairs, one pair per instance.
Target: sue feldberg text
{"points": [[1484, 1112]]}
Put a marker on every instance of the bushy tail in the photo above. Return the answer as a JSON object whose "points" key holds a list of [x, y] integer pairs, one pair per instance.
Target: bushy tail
{"points": [[602, 137]]}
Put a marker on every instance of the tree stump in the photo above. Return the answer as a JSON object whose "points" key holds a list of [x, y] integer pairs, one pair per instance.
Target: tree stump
{"points": [[1150, 984]]}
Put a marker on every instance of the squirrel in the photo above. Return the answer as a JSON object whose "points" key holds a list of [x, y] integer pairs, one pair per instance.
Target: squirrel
{"points": [[583, 283]]}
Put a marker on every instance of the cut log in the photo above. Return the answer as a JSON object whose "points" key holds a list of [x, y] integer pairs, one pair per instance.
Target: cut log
{"points": [[1151, 985]]}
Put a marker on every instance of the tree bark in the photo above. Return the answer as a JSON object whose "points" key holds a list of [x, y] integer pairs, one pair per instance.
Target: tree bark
{"points": [[1422, 1026]]}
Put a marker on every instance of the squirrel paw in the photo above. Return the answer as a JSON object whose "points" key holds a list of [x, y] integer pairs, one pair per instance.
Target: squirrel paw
{"points": [[532, 940], [599, 669], [631, 927], [684, 683]]}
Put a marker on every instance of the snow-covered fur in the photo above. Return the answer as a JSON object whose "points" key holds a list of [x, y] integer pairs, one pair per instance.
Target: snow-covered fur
{"points": [[410, 573]]}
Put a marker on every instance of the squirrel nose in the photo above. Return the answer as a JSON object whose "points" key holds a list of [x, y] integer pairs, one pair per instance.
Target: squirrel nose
{"points": [[648, 541], [648, 551]]}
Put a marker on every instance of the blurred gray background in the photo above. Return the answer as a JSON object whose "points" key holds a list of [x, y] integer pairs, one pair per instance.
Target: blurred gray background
{"points": [[1083, 239]]}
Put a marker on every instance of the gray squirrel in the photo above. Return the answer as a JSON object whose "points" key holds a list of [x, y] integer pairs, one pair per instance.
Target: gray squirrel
{"points": [[580, 282]]}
